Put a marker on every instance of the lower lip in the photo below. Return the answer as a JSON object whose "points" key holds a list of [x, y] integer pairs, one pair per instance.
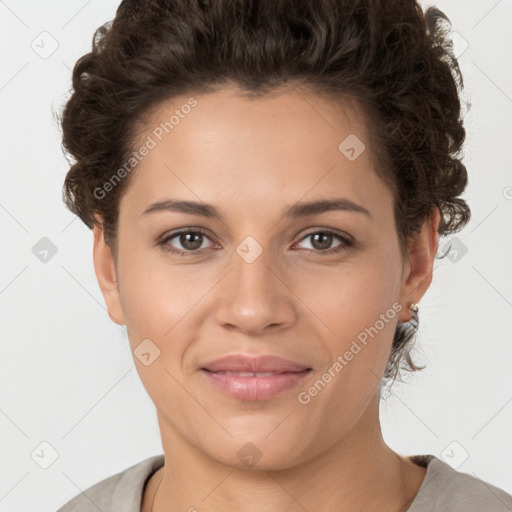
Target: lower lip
{"points": [[254, 388]]}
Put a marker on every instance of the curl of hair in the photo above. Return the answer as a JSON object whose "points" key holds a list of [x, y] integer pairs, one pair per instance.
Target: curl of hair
{"points": [[393, 58]]}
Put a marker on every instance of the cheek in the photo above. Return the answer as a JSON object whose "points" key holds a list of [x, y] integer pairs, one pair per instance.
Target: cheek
{"points": [[353, 292], [158, 297], [353, 303]]}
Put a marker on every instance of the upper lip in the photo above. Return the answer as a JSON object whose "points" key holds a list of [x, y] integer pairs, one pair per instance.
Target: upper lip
{"points": [[242, 363]]}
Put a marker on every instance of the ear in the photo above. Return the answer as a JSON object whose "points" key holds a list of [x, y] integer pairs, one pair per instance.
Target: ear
{"points": [[418, 270], [104, 267]]}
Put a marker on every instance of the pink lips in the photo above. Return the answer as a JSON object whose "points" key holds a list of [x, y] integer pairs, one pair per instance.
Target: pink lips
{"points": [[253, 378]]}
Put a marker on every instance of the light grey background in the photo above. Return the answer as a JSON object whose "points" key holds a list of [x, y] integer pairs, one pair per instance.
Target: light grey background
{"points": [[66, 374]]}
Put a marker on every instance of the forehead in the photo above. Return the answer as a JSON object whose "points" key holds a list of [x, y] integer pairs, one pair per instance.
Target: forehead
{"points": [[223, 146]]}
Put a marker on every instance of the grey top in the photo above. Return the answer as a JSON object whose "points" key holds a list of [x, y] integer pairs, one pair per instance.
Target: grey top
{"points": [[443, 490]]}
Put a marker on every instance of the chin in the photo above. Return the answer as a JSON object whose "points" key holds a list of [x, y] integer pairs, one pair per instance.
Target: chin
{"points": [[258, 451]]}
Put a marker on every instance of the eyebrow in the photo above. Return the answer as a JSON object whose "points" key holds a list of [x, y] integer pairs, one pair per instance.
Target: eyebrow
{"points": [[296, 211]]}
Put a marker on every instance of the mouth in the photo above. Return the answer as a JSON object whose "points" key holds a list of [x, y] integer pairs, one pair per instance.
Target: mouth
{"points": [[253, 379], [250, 374]]}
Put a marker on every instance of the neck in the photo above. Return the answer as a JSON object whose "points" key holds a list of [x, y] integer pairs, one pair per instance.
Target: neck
{"points": [[359, 472]]}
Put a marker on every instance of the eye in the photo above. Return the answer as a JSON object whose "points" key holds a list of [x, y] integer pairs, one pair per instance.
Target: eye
{"points": [[321, 242], [191, 241]]}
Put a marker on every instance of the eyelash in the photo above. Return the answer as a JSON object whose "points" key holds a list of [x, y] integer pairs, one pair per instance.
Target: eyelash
{"points": [[346, 245]]}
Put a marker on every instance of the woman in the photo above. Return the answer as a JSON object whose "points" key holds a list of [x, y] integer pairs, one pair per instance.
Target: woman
{"points": [[267, 182]]}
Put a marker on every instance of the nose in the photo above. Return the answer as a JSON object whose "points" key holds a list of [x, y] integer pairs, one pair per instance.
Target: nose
{"points": [[254, 298]]}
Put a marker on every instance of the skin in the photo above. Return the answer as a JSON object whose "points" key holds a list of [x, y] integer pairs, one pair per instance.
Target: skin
{"points": [[252, 159]]}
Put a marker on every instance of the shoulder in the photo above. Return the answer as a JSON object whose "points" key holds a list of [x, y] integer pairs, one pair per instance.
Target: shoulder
{"points": [[444, 488], [122, 491]]}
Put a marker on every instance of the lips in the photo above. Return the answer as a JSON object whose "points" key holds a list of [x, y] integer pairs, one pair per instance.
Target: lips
{"points": [[260, 364], [254, 378]]}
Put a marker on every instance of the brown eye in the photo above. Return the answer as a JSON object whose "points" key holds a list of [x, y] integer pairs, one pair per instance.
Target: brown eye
{"points": [[191, 240], [321, 242], [185, 242]]}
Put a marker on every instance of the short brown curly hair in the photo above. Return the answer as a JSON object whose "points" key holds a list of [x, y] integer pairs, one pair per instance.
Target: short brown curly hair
{"points": [[393, 58]]}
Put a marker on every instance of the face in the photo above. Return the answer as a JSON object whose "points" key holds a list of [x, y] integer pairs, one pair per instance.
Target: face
{"points": [[259, 273]]}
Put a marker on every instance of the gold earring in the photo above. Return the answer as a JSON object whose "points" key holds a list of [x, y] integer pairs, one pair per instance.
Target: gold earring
{"points": [[413, 322]]}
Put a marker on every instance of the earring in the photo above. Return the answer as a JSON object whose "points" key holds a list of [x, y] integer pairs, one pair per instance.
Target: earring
{"points": [[414, 320]]}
